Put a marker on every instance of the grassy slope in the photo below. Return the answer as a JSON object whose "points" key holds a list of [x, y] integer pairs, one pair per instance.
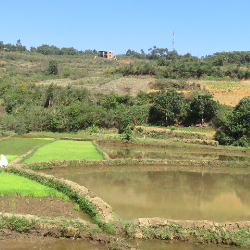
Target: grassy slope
{"points": [[228, 93], [85, 71], [11, 185], [66, 150]]}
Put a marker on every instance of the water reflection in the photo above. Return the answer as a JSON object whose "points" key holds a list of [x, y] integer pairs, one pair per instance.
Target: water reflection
{"points": [[49, 244], [165, 245], [65, 244], [165, 193], [137, 152]]}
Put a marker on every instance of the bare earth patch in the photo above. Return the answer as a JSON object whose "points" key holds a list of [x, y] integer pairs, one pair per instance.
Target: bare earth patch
{"points": [[124, 85], [42, 206]]}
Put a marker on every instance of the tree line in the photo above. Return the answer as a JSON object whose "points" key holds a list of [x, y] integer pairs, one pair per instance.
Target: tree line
{"points": [[59, 109], [182, 70], [217, 59], [44, 49]]}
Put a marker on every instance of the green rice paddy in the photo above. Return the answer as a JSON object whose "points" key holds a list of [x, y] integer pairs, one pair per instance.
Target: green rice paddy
{"points": [[16, 146], [66, 150], [14, 185], [11, 157]]}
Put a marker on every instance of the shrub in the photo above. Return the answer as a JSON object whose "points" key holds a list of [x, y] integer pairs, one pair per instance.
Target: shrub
{"points": [[52, 69], [235, 128]]}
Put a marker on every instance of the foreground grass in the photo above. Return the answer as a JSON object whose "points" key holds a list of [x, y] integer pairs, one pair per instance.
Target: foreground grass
{"points": [[13, 185], [66, 150]]}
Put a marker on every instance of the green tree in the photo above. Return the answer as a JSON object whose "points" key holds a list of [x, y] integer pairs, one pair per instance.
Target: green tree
{"points": [[53, 70], [49, 95], [128, 131], [203, 107], [167, 106], [235, 129]]}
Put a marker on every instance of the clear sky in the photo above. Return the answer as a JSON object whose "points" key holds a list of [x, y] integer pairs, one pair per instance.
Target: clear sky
{"points": [[202, 27]]}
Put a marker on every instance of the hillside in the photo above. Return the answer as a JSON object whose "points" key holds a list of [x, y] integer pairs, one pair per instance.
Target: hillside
{"points": [[91, 73], [41, 90]]}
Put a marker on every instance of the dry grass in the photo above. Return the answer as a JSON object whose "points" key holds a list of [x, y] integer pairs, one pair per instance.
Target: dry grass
{"points": [[228, 93], [209, 134], [122, 85]]}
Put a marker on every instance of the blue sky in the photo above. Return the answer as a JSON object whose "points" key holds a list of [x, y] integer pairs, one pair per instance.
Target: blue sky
{"points": [[202, 27]]}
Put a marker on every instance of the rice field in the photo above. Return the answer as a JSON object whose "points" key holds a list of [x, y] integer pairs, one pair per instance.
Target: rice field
{"points": [[16, 146], [14, 185], [66, 150]]}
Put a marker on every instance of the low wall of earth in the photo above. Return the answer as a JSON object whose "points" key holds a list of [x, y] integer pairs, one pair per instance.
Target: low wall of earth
{"points": [[202, 231]]}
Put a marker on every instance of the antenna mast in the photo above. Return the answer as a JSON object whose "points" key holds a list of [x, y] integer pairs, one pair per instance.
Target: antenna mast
{"points": [[173, 40]]}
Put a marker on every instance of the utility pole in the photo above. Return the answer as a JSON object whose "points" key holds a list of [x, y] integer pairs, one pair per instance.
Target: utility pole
{"points": [[173, 40]]}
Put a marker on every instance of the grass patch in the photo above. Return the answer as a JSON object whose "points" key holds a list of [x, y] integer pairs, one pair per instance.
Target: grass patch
{"points": [[20, 225], [11, 157], [185, 129], [46, 139], [192, 129], [225, 85], [16, 146], [66, 150], [13, 185]]}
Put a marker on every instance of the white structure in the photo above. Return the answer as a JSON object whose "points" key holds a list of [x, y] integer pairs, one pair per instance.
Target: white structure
{"points": [[3, 161]]}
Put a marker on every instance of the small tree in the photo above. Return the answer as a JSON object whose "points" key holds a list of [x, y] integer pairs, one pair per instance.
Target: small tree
{"points": [[167, 105], [128, 131], [50, 95], [203, 107], [53, 70], [235, 128]]}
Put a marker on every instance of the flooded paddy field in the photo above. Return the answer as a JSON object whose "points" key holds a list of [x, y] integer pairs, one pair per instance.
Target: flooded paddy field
{"points": [[179, 192], [183, 193], [37, 243], [130, 151]]}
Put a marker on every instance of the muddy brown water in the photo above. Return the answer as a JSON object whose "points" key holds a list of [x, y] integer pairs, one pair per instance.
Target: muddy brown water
{"points": [[184, 193], [166, 245], [173, 192], [66, 244], [48, 244]]}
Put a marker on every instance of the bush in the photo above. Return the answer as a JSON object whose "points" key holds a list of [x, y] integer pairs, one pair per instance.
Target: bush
{"points": [[203, 108], [53, 70], [235, 128], [67, 72]]}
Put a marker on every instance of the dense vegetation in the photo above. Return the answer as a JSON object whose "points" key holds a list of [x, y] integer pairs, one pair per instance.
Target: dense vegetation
{"points": [[31, 107], [224, 64], [235, 128], [28, 106]]}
